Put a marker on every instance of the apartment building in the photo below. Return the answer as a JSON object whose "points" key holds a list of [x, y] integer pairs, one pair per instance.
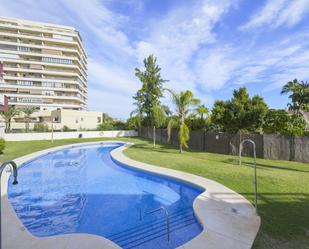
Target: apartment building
{"points": [[42, 65]]}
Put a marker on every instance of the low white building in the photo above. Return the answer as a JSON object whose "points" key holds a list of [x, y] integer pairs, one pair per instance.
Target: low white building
{"points": [[72, 119]]}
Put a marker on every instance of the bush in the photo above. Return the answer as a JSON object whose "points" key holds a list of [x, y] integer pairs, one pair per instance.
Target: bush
{"points": [[40, 128], [133, 123], [66, 128], [119, 125], [112, 125], [2, 145], [108, 126], [279, 121]]}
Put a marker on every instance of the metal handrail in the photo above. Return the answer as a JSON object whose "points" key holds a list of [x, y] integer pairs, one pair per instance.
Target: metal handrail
{"points": [[254, 177], [167, 220], [2, 167]]}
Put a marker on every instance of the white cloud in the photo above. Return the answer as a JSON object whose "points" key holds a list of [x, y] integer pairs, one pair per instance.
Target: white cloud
{"points": [[114, 78], [214, 70], [179, 36], [105, 25], [272, 65], [112, 88], [110, 102], [277, 13], [293, 13]]}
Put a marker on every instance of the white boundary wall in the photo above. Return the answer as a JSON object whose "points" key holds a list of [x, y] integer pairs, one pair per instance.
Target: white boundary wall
{"points": [[64, 135]]}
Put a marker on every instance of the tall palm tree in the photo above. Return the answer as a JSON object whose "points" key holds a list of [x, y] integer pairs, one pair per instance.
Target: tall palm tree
{"points": [[183, 101], [299, 94], [7, 115], [202, 110], [28, 111]]}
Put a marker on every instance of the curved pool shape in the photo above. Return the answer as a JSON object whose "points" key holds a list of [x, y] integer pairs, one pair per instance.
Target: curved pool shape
{"points": [[83, 190]]}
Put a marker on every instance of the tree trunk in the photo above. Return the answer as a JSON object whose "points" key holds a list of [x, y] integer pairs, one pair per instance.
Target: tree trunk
{"points": [[27, 124], [182, 121], [9, 126], [6, 126]]}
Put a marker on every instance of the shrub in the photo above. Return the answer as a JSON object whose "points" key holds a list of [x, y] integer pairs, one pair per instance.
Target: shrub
{"points": [[279, 121], [133, 123], [2, 145], [40, 128], [108, 126], [65, 128], [119, 125]]}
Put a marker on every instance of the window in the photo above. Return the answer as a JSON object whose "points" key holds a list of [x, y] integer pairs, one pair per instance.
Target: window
{"points": [[8, 47], [24, 49], [28, 100], [52, 84], [48, 93], [56, 60], [63, 37], [99, 119], [24, 83]]}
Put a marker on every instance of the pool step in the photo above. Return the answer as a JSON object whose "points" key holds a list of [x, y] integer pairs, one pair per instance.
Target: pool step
{"points": [[137, 236]]}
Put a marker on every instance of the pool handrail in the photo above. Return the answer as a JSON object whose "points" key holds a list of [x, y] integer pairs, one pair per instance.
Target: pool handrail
{"points": [[2, 167], [167, 219]]}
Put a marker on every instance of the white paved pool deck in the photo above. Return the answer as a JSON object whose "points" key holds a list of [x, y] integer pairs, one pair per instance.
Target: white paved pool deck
{"points": [[228, 219]]}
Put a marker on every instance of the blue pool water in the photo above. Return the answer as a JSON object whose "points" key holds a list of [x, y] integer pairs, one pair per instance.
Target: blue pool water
{"points": [[83, 190]]}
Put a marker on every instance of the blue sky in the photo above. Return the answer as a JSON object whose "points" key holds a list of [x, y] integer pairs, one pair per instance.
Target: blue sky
{"points": [[207, 46]]}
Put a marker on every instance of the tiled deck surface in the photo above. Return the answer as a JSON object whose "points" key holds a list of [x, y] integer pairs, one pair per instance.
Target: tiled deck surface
{"points": [[229, 220]]}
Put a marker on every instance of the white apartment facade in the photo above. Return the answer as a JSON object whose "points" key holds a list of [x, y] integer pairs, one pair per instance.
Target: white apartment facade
{"points": [[43, 65]]}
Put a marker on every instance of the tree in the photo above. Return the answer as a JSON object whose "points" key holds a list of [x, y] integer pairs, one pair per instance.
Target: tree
{"points": [[239, 113], [159, 117], [149, 95], [299, 95], [106, 118], [172, 122], [7, 115], [276, 121], [147, 99], [202, 110], [28, 111], [183, 101], [297, 125]]}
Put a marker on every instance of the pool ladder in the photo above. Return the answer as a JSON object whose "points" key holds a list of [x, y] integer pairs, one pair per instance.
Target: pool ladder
{"points": [[254, 168], [2, 167], [167, 219]]}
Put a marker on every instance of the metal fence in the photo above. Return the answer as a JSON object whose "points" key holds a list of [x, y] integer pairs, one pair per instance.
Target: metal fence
{"points": [[269, 146]]}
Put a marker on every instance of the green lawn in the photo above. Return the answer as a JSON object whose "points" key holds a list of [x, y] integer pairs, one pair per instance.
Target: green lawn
{"points": [[283, 186]]}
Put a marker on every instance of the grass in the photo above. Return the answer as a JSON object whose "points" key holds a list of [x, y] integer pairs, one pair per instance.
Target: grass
{"points": [[283, 186]]}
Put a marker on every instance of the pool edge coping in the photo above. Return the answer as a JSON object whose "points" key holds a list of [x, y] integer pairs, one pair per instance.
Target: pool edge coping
{"points": [[212, 208], [225, 221]]}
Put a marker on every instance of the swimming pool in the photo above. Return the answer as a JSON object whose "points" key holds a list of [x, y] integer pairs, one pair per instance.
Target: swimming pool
{"points": [[83, 190]]}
